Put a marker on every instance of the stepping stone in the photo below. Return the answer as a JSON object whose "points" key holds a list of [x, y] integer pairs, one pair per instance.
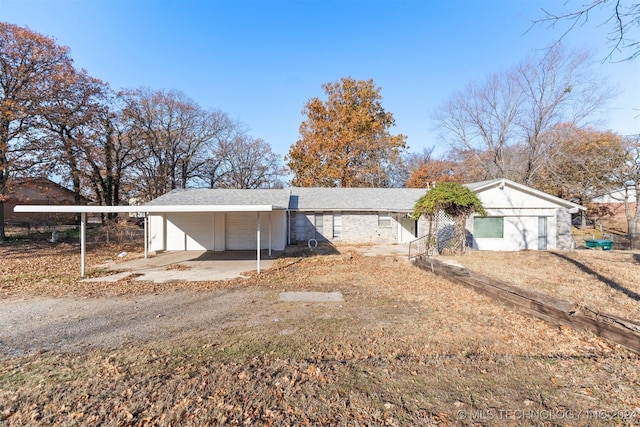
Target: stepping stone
{"points": [[311, 297]]}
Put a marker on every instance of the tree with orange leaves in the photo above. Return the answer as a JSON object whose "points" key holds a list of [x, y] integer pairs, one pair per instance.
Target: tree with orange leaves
{"points": [[433, 171], [30, 64], [345, 141]]}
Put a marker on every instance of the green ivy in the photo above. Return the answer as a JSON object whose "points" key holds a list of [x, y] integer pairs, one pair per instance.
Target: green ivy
{"points": [[450, 197]]}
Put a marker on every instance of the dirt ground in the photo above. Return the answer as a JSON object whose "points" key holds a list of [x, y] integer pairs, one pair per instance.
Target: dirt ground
{"points": [[404, 348]]}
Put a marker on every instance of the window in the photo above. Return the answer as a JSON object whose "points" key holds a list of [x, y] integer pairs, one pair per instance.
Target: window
{"points": [[319, 222], [542, 233], [337, 225], [384, 220], [488, 227]]}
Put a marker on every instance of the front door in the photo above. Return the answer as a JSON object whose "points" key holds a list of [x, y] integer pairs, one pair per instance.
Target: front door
{"points": [[407, 230]]}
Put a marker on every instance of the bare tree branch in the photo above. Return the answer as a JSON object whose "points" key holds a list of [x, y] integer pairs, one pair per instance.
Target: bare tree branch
{"points": [[623, 19]]}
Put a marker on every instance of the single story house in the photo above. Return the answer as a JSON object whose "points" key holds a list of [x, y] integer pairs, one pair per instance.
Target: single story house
{"points": [[519, 217], [284, 216], [38, 191]]}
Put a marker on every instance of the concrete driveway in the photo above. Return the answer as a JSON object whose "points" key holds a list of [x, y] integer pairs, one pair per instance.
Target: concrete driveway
{"points": [[189, 266], [195, 266]]}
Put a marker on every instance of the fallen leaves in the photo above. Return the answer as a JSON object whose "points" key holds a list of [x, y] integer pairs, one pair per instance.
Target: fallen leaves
{"points": [[405, 348]]}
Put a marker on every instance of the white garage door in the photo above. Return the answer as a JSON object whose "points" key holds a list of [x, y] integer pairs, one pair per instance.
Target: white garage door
{"points": [[191, 231], [241, 230]]}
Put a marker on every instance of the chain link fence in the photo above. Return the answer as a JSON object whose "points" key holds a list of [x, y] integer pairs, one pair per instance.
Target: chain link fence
{"points": [[96, 233]]}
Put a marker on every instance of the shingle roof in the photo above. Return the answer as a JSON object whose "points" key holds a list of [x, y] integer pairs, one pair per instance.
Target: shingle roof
{"points": [[219, 197], [364, 199], [304, 199]]}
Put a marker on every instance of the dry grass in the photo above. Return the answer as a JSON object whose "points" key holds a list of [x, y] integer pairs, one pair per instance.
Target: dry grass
{"points": [[606, 281], [405, 348]]}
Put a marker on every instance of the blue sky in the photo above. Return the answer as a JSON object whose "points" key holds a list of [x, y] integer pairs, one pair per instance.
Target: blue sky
{"points": [[260, 61]]}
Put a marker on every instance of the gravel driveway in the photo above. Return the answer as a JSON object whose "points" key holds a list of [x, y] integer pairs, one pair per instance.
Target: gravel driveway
{"points": [[69, 325]]}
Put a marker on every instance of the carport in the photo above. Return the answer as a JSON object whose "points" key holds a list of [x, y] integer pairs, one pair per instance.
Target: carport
{"points": [[146, 210]]}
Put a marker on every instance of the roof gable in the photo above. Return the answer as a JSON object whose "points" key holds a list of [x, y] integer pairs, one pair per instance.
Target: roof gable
{"points": [[485, 186]]}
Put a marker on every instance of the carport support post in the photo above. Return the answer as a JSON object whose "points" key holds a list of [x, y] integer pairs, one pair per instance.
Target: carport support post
{"points": [[269, 234], [258, 239], [83, 241], [146, 236]]}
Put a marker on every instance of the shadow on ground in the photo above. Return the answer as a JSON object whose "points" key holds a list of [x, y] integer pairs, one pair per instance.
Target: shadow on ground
{"points": [[609, 282]]}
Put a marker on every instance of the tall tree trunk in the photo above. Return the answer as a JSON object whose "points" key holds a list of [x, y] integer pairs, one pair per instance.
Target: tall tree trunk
{"points": [[4, 172], [2, 235]]}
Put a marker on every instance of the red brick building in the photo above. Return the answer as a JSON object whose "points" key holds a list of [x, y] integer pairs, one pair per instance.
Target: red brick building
{"points": [[38, 191]]}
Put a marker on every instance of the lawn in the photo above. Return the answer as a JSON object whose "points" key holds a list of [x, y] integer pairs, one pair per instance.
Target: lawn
{"points": [[404, 348]]}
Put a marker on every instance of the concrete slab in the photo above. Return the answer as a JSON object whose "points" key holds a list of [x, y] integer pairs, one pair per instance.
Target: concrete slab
{"points": [[311, 297], [189, 266]]}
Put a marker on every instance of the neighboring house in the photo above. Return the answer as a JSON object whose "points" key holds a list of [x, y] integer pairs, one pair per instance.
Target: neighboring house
{"points": [[617, 196], [611, 207], [38, 191], [225, 219]]}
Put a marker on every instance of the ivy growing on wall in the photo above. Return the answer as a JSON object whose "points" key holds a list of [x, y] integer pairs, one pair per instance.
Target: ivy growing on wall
{"points": [[457, 201]]}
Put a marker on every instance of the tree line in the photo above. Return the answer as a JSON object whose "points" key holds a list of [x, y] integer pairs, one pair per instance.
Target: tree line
{"points": [[113, 146]]}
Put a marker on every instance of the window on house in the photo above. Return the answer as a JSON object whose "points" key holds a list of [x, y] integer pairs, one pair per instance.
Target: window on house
{"points": [[542, 233], [384, 220], [488, 227], [337, 225], [319, 222]]}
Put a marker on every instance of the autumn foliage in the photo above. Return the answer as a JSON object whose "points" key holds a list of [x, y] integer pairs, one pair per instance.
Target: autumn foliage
{"points": [[345, 140], [425, 174]]}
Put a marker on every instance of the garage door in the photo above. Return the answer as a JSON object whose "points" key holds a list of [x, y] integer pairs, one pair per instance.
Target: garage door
{"points": [[189, 231], [241, 230]]}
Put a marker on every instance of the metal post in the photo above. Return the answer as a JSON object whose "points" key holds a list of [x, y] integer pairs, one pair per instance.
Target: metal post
{"points": [[258, 238], [269, 234], [83, 238], [146, 236]]}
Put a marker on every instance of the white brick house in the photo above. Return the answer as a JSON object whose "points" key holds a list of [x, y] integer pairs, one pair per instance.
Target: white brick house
{"points": [[519, 217], [230, 219]]}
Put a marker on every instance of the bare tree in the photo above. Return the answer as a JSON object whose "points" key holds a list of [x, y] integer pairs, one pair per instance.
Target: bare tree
{"points": [[556, 89], [110, 155], [239, 160], [66, 122], [496, 126], [622, 17], [172, 134], [481, 121], [250, 163]]}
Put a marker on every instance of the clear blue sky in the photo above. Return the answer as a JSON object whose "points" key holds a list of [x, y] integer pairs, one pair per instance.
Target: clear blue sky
{"points": [[260, 61]]}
